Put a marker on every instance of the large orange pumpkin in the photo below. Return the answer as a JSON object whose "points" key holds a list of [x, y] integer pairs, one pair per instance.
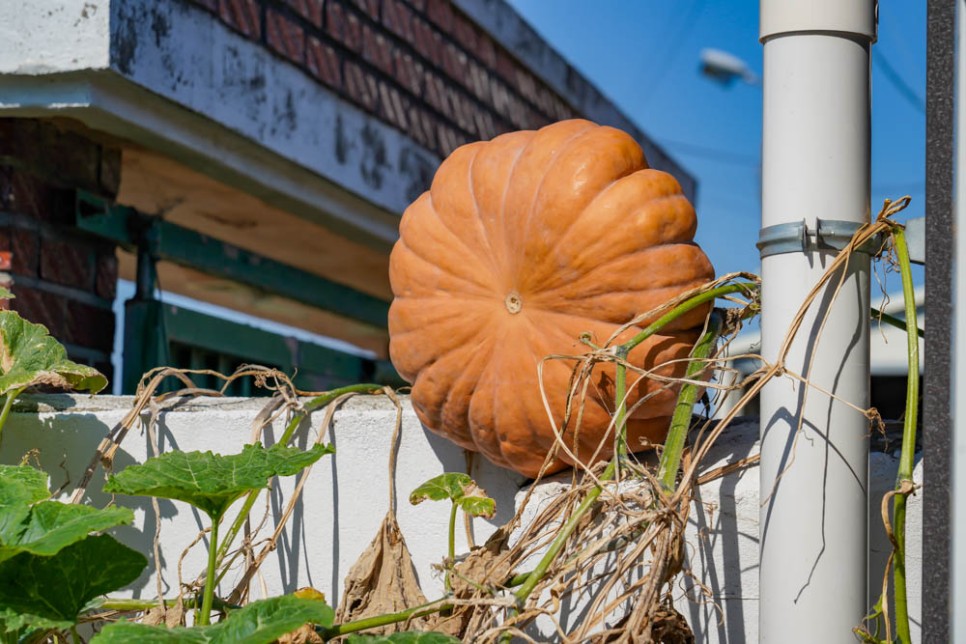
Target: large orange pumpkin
{"points": [[521, 245]]}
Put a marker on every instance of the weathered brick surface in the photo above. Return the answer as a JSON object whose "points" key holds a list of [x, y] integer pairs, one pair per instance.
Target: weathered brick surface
{"points": [[243, 15], [324, 62], [68, 263], [311, 10], [420, 65], [62, 278], [105, 285], [285, 36]]}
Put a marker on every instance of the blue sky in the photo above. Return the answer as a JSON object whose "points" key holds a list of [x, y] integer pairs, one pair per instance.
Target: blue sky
{"points": [[644, 55]]}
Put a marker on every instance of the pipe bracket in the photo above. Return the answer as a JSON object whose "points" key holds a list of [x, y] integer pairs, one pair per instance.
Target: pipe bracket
{"points": [[797, 237]]}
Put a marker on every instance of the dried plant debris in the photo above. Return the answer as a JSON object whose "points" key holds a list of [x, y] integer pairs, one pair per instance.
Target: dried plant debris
{"points": [[383, 580]]}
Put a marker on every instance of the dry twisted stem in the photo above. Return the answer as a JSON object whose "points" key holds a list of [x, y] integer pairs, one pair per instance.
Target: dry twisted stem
{"points": [[596, 560]]}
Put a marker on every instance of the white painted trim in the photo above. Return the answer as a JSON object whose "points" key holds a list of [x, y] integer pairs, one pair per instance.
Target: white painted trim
{"points": [[227, 107]]}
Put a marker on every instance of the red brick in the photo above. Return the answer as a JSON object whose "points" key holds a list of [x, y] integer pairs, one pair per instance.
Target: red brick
{"points": [[106, 281], [68, 263], [60, 157], [506, 66], [311, 10], [437, 94], [285, 36], [449, 139], [109, 173], [324, 62], [408, 72], [377, 49], [465, 33], [360, 86], [90, 326], [484, 125], [393, 106], [478, 80], [500, 96], [42, 308], [463, 110], [486, 51], [343, 26], [526, 86], [560, 110], [369, 7], [422, 126], [398, 18], [455, 62], [26, 194], [25, 248], [243, 15], [441, 13], [427, 41]]}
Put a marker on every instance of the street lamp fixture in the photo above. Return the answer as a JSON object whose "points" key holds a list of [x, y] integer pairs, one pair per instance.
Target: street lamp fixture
{"points": [[725, 68]]}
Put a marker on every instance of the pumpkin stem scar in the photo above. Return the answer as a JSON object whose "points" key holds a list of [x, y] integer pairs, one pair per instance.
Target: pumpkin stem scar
{"points": [[513, 302]]}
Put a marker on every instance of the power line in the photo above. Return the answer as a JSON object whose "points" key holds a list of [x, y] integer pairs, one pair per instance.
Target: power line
{"points": [[676, 46], [711, 154], [894, 77]]}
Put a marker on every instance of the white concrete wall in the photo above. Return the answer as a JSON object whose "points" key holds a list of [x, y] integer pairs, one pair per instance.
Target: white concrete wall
{"points": [[347, 497], [47, 37]]}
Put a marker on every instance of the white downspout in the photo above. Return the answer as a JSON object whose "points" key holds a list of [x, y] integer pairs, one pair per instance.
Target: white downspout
{"points": [[814, 451]]}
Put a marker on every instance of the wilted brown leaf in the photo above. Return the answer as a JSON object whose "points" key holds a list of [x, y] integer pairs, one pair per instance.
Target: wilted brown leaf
{"points": [[383, 580]]}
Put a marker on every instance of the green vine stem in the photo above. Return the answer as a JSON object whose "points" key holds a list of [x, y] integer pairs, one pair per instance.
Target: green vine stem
{"points": [[620, 385], [452, 548], [748, 288], [204, 617], [681, 419], [132, 605], [620, 394], [904, 485], [7, 406], [313, 405], [366, 623], [891, 320]]}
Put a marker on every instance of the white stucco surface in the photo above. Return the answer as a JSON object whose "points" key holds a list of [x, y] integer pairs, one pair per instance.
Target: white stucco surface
{"points": [[48, 37], [346, 498]]}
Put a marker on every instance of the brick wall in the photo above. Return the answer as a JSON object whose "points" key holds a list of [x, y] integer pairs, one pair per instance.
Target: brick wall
{"points": [[419, 65], [61, 277]]}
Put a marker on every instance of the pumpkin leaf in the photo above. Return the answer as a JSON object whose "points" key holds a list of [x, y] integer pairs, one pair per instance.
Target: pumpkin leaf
{"points": [[458, 488], [260, 622], [212, 482], [13, 622], [406, 637], [31, 523], [52, 526], [30, 356], [6, 294], [20, 486], [54, 590]]}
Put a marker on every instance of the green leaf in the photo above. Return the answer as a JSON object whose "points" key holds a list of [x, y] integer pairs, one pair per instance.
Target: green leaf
{"points": [[212, 482], [20, 486], [11, 622], [458, 488], [58, 587], [6, 294], [260, 622], [52, 526], [30, 356], [32, 480], [46, 527], [407, 637]]}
